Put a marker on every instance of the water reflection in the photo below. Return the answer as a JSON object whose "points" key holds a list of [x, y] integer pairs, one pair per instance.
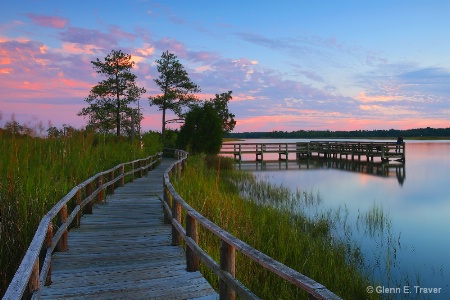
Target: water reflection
{"points": [[383, 169], [417, 208]]}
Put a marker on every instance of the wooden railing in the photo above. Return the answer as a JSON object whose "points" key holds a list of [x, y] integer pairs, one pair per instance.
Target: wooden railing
{"points": [[35, 269], [225, 269], [384, 150]]}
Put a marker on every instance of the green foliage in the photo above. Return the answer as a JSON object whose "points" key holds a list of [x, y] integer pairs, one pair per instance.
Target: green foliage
{"points": [[36, 173], [14, 127], [176, 87], [171, 137], [205, 124], [109, 101], [53, 132], [202, 130], [220, 105]]}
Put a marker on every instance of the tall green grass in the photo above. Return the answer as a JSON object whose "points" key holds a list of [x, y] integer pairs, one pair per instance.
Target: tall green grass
{"points": [[36, 173], [270, 219]]}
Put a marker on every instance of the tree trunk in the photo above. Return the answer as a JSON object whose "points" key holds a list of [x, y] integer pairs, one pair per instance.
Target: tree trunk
{"points": [[132, 125], [163, 125], [118, 106]]}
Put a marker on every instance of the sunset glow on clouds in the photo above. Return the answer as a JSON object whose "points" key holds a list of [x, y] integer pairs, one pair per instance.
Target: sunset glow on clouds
{"points": [[48, 21], [297, 66]]}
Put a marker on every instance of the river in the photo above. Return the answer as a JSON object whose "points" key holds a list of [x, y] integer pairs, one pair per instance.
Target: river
{"points": [[411, 250]]}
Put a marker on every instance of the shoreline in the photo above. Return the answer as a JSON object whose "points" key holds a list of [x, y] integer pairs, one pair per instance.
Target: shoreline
{"points": [[419, 138]]}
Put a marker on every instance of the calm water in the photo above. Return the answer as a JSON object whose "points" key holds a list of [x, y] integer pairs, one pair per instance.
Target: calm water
{"points": [[414, 246]]}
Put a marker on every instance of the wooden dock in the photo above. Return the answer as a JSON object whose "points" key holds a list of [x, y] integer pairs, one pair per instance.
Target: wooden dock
{"points": [[124, 251], [354, 150]]}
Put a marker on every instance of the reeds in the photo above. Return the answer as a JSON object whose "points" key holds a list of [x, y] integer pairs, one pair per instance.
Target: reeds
{"points": [[36, 173], [270, 219]]}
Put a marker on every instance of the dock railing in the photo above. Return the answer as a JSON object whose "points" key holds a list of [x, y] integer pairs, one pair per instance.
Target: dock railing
{"points": [[225, 269], [329, 149], [35, 269]]}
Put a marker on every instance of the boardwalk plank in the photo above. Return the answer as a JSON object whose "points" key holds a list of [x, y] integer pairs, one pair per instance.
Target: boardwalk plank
{"points": [[123, 251]]}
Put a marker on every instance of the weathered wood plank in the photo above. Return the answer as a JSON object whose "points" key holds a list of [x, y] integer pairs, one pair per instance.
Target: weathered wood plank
{"points": [[123, 251]]}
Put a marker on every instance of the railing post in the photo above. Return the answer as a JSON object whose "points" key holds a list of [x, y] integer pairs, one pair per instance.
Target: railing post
{"points": [[140, 173], [78, 218], [111, 186], [179, 169], [166, 200], [132, 172], [192, 260], [240, 152], [122, 176], [48, 244], [33, 283], [62, 245], [176, 215], [183, 164], [144, 167], [227, 264], [404, 152], [148, 162], [100, 193], [88, 207]]}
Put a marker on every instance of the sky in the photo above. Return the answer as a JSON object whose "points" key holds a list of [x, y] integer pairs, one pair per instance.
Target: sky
{"points": [[291, 65]]}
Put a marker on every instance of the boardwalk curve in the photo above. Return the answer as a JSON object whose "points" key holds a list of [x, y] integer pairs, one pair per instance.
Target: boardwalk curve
{"points": [[123, 251]]}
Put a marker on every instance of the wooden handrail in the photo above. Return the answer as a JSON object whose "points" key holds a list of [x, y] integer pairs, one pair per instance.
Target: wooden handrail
{"points": [[229, 285], [385, 150], [35, 269]]}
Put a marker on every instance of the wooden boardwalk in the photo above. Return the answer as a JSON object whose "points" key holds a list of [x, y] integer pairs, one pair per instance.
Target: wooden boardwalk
{"points": [[123, 251]]}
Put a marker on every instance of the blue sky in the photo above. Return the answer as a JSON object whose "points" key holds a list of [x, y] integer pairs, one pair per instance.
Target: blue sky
{"points": [[292, 65]]}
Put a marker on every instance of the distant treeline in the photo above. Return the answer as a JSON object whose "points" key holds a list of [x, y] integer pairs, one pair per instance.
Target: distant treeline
{"points": [[311, 134]]}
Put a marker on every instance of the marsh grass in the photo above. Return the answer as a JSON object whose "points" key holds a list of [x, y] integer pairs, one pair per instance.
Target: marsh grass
{"points": [[36, 173], [376, 226], [270, 219]]}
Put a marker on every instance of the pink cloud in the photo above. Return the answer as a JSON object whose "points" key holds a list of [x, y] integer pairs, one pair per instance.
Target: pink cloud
{"points": [[28, 72], [74, 48], [116, 31], [5, 70], [5, 60], [203, 68], [243, 97], [84, 36], [172, 46], [151, 122], [76, 84], [203, 56], [32, 113], [48, 21], [146, 50], [363, 97]]}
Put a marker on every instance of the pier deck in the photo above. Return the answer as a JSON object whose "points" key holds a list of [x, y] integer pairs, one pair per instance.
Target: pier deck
{"points": [[123, 251], [385, 151]]}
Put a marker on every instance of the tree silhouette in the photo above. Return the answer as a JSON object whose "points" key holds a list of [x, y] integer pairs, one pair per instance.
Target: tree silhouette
{"points": [[109, 101], [220, 105], [202, 130], [176, 86]]}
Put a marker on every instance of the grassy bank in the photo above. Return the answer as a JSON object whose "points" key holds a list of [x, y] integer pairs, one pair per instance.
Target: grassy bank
{"points": [[36, 173], [262, 215]]}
